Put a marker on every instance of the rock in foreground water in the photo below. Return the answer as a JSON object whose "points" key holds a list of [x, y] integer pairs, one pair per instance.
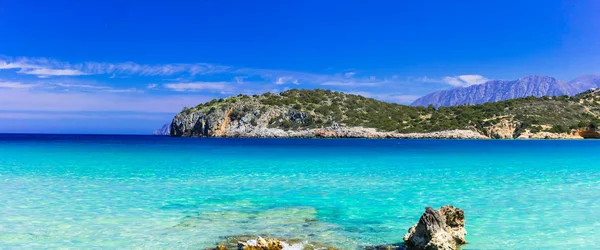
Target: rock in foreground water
{"points": [[441, 229], [262, 244]]}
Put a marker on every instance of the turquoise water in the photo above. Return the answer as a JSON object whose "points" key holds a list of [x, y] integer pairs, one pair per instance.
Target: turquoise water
{"points": [[185, 193]]}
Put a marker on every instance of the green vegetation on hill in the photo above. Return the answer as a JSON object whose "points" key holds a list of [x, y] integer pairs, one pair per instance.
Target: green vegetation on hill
{"points": [[322, 107]]}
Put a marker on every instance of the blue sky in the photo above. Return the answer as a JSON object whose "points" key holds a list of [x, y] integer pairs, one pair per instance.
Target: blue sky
{"points": [[116, 67]]}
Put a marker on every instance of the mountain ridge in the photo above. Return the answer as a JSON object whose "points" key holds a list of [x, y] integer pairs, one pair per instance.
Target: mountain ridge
{"points": [[500, 90]]}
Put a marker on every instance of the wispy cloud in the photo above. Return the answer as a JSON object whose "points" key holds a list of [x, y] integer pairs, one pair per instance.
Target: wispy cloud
{"points": [[85, 86], [89, 87], [456, 81], [353, 83], [197, 86], [45, 72], [465, 80], [16, 85], [286, 80], [46, 67]]}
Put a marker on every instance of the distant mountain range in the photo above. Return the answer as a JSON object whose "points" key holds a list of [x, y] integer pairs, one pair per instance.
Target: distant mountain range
{"points": [[499, 90]]}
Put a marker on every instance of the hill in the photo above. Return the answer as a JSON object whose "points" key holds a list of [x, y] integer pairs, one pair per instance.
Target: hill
{"points": [[324, 113], [499, 90]]}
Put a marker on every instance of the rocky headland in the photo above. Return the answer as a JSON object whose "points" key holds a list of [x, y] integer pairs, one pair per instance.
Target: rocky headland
{"points": [[328, 114]]}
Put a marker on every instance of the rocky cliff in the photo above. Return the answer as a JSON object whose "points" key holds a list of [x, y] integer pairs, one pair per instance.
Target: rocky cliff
{"points": [[499, 90], [328, 114]]}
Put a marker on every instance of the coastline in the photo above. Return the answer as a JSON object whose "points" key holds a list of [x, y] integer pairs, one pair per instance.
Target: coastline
{"points": [[370, 133]]}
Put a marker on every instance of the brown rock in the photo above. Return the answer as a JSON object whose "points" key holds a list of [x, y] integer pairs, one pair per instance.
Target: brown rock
{"points": [[441, 229]]}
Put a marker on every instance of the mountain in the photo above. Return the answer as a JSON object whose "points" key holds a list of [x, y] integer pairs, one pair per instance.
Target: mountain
{"points": [[499, 90], [586, 82], [324, 113], [164, 130]]}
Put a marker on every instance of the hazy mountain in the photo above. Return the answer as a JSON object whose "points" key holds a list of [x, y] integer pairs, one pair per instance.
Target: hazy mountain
{"points": [[586, 82], [164, 130], [498, 90]]}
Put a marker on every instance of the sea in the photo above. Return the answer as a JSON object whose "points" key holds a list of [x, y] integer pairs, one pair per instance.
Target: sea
{"points": [[158, 192]]}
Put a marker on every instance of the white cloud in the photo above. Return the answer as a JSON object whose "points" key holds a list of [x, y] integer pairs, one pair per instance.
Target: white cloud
{"points": [[286, 79], [45, 72], [152, 86], [16, 85], [473, 79], [77, 86], [86, 86], [8, 65], [196, 86], [465, 80], [349, 74], [129, 90], [239, 79], [45, 67], [456, 81], [352, 83]]}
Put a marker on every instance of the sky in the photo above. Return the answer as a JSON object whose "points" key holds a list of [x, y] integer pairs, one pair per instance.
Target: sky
{"points": [[126, 67]]}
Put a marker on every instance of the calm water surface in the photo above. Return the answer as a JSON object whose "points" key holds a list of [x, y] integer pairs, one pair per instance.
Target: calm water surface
{"points": [[184, 193]]}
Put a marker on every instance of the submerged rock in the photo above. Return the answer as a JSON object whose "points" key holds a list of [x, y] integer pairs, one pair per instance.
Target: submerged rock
{"points": [[387, 247], [250, 242], [441, 229]]}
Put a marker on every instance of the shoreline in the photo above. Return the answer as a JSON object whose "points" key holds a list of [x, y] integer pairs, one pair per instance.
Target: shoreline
{"points": [[370, 133]]}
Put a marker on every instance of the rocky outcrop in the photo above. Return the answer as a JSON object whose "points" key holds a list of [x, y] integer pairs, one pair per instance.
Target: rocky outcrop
{"points": [[164, 130], [549, 135], [256, 123], [504, 129], [441, 229], [499, 90], [261, 243]]}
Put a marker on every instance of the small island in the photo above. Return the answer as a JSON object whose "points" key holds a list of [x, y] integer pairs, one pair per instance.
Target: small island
{"points": [[330, 114]]}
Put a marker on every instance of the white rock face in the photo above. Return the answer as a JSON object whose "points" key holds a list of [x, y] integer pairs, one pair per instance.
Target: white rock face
{"points": [[256, 124]]}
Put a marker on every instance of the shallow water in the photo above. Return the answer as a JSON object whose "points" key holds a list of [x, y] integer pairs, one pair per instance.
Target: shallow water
{"points": [[185, 193]]}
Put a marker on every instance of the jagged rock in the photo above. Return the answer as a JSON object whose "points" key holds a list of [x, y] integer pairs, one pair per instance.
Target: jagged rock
{"points": [[441, 229], [505, 129], [262, 244]]}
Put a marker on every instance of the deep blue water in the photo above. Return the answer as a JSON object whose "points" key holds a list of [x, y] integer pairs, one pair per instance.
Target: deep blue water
{"points": [[93, 191]]}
